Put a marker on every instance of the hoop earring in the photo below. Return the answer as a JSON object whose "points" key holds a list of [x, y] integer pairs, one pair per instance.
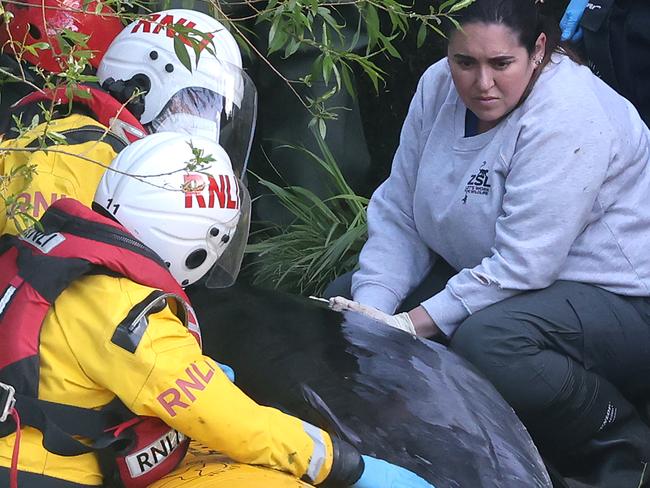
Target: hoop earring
{"points": [[539, 61]]}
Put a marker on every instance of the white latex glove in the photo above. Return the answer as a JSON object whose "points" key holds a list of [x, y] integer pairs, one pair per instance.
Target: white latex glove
{"points": [[401, 321]]}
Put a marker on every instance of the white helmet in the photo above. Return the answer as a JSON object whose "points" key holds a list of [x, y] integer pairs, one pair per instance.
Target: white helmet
{"points": [[214, 99], [195, 218]]}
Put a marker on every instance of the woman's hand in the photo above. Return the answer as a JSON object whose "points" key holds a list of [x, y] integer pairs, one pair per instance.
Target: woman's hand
{"points": [[401, 321], [423, 323], [416, 322]]}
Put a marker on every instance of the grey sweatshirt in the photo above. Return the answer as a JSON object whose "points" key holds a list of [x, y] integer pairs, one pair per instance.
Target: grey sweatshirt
{"points": [[558, 190]]}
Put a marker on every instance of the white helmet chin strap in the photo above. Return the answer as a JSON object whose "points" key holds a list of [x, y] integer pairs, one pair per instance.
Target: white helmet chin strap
{"points": [[190, 124]]}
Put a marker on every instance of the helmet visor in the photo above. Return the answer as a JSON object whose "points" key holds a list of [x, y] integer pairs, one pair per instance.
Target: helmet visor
{"points": [[238, 126], [224, 113], [225, 270], [193, 111]]}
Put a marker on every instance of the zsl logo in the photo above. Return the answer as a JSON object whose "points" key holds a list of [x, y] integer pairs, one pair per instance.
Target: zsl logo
{"points": [[478, 183], [480, 179], [168, 22]]}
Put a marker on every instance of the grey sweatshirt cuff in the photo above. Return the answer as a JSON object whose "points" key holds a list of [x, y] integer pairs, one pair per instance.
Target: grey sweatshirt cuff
{"points": [[376, 296], [446, 310]]}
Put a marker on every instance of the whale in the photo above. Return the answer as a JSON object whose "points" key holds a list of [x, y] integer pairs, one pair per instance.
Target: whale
{"points": [[401, 398]]}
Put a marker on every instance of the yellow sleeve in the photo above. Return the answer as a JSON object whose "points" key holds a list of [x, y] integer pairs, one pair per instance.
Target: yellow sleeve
{"points": [[189, 392], [168, 377]]}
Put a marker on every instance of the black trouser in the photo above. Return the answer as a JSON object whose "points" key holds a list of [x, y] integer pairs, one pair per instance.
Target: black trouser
{"points": [[571, 359], [31, 480]]}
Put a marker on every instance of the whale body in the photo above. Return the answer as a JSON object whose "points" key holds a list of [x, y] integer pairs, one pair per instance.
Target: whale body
{"points": [[407, 400]]}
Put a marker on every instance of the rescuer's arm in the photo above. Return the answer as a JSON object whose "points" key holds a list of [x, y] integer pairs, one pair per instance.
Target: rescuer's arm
{"points": [[168, 377], [189, 392], [158, 370]]}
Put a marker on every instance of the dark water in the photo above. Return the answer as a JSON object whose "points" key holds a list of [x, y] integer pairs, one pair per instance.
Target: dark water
{"points": [[406, 400]]}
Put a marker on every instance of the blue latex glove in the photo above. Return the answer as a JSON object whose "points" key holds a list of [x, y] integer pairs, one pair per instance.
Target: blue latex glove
{"points": [[230, 373], [381, 474], [570, 23]]}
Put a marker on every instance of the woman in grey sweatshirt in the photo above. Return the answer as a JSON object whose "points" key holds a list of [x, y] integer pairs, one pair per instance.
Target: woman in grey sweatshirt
{"points": [[530, 176]]}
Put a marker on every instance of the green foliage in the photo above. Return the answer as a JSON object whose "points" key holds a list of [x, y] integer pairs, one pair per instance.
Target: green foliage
{"points": [[299, 24], [199, 161], [189, 37], [323, 240]]}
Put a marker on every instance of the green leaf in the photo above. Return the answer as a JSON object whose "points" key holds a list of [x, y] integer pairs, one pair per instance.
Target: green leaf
{"points": [[243, 45], [41, 45], [346, 76], [325, 14], [325, 38], [292, 46], [357, 35], [445, 5], [437, 31], [337, 75], [460, 5], [422, 34], [328, 64], [372, 25], [373, 74], [37, 46], [30, 49], [77, 38], [388, 45], [181, 53], [56, 137], [316, 67], [322, 128], [82, 94], [87, 78], [277, 36]]}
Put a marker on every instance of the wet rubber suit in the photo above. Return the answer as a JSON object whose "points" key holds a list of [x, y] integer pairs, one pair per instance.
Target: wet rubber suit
{"points": [[617, 42]]}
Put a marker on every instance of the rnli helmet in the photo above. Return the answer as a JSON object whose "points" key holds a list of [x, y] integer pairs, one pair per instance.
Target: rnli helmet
{"points": [[179, 195], [189, 68]]}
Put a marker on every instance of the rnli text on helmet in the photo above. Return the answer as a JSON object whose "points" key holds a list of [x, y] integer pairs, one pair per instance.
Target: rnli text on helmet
{"points": [[226, 191], [168, 21]]}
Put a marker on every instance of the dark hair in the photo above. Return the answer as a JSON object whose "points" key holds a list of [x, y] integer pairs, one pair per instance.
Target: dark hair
{"points": [[526, 18]]}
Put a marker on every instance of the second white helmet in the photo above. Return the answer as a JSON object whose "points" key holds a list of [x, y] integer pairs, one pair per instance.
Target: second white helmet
{"points": [[147, 47], [215, 98], [179, 196]]}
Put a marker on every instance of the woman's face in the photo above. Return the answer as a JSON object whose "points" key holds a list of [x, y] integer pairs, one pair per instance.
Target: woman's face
{"points": [[491, 69]]}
